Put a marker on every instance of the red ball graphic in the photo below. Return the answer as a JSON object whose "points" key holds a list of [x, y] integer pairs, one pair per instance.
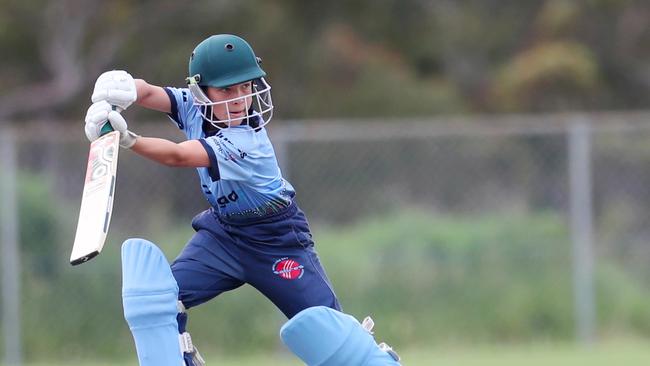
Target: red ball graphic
{"points": [[288, 269]]}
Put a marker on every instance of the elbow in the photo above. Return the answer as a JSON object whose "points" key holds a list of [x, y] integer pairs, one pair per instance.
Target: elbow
{"points": [[177, 160], [172, 158], [173, 162], [169, 163]]}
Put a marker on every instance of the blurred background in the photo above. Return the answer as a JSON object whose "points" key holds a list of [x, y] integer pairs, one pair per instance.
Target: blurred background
{"points": [[475, 173]]}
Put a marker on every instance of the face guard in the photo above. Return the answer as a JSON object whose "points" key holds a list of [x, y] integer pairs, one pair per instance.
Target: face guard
{"points": [[258, 112]]}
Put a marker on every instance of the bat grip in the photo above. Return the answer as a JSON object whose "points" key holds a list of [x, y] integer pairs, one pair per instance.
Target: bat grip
{"points": [[106, 128]]}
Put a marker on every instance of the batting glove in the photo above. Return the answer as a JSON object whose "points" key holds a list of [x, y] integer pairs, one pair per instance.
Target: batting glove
{"points": [[116, 87], [101, 113]]}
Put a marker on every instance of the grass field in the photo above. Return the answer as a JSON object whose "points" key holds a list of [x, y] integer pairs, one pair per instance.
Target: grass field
{"points": [[633, 353]]}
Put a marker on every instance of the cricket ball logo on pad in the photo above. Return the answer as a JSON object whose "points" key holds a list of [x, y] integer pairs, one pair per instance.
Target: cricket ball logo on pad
{"points": [[288, 269]]}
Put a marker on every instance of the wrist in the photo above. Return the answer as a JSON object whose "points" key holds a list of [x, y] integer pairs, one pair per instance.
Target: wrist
{"points": [[128, 139]]}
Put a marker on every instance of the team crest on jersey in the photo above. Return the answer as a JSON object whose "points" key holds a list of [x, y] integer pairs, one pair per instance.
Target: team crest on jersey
{"points": [[288, 269]]}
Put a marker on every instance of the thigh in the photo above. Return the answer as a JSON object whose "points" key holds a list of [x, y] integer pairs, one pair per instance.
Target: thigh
{"points": [[292, 278], [205, 268]]}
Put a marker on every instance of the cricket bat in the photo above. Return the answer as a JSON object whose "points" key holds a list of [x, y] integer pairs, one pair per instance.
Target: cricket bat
{"points": [[97, 197]]}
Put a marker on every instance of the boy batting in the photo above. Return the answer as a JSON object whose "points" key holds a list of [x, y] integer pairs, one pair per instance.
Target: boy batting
{"points": [[253, 232]]}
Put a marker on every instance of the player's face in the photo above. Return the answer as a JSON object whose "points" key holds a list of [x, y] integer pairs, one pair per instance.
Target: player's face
{"points": [[239, 97]]}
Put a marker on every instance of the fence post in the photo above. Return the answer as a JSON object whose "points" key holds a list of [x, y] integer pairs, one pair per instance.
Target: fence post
{"points": [[581, 212], [10, 259]]}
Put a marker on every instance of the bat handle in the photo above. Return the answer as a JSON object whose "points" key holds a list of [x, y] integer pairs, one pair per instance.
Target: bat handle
{"points": [[107, 126], [106, 129]]}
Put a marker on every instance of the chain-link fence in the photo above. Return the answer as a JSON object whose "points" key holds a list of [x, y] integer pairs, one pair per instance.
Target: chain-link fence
{"points": [[437, 225]]}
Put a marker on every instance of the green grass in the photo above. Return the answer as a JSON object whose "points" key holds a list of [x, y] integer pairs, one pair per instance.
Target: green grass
{"points": [[630, 353]]}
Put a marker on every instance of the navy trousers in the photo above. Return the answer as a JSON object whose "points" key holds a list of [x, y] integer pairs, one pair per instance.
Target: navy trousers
{"points": [[275, 255]]}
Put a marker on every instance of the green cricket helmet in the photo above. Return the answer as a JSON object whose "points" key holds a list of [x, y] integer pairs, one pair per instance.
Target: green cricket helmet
{"points": [[224, 60]]}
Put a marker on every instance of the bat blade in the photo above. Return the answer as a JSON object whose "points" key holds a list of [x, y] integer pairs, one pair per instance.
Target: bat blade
{"points": [[97, 199]]}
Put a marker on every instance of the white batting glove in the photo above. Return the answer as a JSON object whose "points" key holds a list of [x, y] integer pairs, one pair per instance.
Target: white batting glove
{"points": [[101, 113], [116, 87]]}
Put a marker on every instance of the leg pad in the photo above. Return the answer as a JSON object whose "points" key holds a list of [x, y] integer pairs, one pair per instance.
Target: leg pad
{"points": [[322, 336], [149, 297]]}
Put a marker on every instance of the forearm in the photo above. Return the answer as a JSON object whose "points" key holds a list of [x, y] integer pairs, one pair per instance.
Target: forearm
{"points": [[185, 154]]}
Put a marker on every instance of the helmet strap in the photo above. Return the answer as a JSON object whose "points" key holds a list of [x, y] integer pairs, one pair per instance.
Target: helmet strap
{"points": [[196, 90]]}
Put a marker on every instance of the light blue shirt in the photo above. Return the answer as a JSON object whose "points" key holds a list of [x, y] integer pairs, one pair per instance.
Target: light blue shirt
{"points": [[243, 181]]}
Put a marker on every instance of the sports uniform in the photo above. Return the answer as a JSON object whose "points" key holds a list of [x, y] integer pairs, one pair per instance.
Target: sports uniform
{"points": [[253, 232]]}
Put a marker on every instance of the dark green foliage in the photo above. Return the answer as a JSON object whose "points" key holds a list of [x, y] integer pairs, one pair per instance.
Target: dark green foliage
{"points": [[339, 59]]}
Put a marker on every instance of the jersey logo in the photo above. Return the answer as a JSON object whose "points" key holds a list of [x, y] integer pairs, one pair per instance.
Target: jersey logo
{"points": [[229, 156], [288, 269], [224, 200]]}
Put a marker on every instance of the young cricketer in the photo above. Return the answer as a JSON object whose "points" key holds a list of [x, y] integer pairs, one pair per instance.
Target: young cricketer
{"points": [[253, 232]]}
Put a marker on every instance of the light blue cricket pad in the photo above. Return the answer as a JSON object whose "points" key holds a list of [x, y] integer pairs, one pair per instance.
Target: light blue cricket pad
{"points": [[322, 336], [149, 297]]}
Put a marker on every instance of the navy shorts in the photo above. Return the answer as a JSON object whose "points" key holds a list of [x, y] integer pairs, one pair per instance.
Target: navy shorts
{"points": [[275, 255]]}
